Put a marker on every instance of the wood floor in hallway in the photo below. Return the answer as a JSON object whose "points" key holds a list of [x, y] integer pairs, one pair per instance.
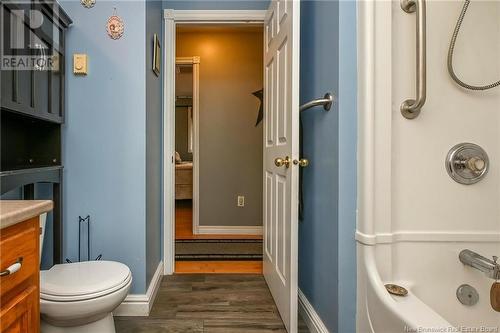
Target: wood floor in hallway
{"points": [[209, 303], [184, 230]]}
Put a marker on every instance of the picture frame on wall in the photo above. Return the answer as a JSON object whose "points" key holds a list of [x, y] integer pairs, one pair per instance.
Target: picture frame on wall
{"points": [[156, 55]]}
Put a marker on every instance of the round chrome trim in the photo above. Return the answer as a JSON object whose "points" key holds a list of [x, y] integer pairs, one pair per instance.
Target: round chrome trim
{"points": [[467, 295], [458, 156]]}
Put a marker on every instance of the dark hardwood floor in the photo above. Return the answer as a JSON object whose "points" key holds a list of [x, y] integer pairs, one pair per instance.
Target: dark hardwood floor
{"points": [[211, 303]]}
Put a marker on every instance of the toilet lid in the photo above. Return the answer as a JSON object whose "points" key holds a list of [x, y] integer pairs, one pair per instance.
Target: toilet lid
{"points": [[83, 280]]}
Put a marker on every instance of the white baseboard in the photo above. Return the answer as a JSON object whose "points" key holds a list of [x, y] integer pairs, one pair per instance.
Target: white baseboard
{"points": [[224, 230], [141, 304], [311, 318]]}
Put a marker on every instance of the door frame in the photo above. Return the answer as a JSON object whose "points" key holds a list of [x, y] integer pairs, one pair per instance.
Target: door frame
{"points": [[171, 18]]}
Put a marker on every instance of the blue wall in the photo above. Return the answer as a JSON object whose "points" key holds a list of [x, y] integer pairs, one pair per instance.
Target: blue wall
{"points": [[327, 253], [154, 128], [105, 136], [318, 254]]}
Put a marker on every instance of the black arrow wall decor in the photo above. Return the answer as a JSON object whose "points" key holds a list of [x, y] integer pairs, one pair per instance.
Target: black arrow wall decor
{"points": [[260, 95]]}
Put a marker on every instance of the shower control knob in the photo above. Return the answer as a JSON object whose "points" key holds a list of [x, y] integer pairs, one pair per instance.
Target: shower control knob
{"points": [[467, 163], [476, 164]]}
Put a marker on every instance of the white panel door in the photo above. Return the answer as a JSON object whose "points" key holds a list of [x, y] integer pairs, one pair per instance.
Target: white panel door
{"points": [[281, 140]]}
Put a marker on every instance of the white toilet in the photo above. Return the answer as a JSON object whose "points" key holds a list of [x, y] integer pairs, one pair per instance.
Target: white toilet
{"points": [[80, 297]]}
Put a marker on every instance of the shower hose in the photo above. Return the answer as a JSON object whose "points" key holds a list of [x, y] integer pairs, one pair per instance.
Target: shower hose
{"points": [[452, 49]]}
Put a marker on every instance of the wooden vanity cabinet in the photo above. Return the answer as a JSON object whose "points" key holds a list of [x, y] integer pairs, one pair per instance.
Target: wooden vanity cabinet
{"points": [[20, 291]]}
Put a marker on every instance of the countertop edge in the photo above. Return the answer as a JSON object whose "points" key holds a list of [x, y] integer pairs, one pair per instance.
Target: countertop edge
{"points": [[15, 211]]}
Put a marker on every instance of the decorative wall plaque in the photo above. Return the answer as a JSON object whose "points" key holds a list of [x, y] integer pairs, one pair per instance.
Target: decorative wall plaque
{"points": [[115, 26], [87, 3]]}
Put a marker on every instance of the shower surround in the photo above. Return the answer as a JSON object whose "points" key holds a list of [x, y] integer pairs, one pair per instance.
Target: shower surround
{"points": [[413, 219]]}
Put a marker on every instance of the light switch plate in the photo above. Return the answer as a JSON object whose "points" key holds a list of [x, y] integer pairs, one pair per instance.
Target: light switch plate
{"points": [[241, 201], [79, 64]]}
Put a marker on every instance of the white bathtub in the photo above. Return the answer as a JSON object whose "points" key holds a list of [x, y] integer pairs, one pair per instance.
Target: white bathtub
{"points": [[378, 311], [431, 304]]}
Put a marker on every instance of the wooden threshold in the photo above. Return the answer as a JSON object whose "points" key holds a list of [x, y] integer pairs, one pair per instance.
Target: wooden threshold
{"points": [[218, 267]]}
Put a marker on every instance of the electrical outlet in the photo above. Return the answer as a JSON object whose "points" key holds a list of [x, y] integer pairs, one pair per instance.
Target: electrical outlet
{"points": [[241, 201]]}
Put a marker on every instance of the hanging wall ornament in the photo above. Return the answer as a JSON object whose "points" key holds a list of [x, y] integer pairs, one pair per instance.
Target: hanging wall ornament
{"points": [[260, 95], [87, 3], [115, 26]]}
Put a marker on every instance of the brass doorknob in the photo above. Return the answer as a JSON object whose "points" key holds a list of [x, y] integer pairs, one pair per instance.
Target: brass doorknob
{"points": [[303, 162], [279, 162]]}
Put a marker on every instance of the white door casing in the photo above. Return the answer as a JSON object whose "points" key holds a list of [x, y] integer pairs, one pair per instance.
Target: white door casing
{"points": [[172, 18], [281, 139]]}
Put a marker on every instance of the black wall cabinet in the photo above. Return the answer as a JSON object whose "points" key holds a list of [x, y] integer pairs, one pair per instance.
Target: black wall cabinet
{"points": [[28, 143], [32, 104], [39, 92]]}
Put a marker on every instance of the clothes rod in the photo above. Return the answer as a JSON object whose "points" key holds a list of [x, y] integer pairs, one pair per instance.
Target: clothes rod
{"points": [[326, 101]]}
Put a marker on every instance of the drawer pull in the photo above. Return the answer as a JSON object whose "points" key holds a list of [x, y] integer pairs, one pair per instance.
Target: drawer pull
{"points": [[12, 268]]}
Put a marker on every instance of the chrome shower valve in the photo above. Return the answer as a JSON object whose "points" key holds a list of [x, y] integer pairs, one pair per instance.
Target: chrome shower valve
{"points": [[467, 163]]}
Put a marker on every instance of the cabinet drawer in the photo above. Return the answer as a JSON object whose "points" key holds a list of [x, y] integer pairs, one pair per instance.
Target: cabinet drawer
{"points": [[184, 177], [183, 192], [20, 315], [19, 241]]}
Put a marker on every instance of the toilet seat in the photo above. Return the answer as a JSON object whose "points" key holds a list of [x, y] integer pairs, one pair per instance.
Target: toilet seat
{"points": [[83, 281]]}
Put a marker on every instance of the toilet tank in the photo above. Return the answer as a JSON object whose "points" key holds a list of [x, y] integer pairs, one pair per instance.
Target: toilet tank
{"points": [[43, 220]]}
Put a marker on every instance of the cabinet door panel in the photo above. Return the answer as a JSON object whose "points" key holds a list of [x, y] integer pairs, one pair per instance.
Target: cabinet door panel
{"points": [[39, 92], [25, 91], [56, 86], [6, 86], [9, 77], [42, 92], [20, 315]]}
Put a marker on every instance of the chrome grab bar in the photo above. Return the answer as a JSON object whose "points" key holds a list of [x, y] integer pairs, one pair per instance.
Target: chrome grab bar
{"points": [[411, 108], [326, 101]]}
